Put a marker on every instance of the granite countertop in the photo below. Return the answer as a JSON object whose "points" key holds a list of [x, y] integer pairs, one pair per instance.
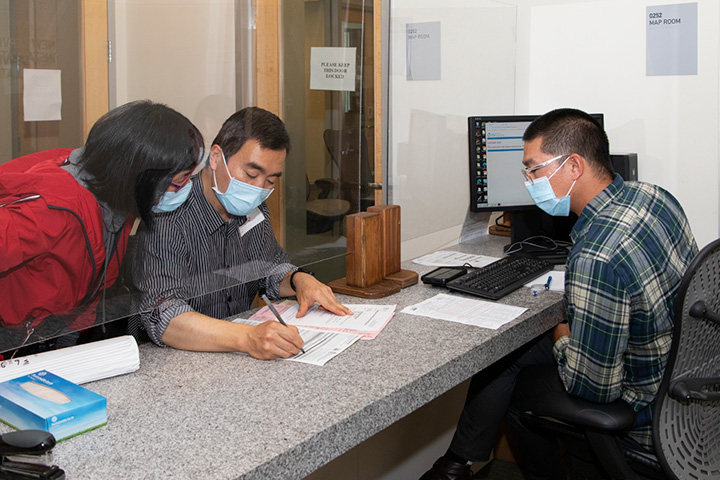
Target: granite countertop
{"points": [[228, 416]]}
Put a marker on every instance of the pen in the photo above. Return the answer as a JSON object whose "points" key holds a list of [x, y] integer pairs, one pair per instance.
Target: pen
{"points": [[275, 312], [547, 285]]}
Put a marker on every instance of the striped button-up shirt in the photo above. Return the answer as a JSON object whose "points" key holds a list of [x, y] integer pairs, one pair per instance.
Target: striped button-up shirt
{"points": [[632, 245], [193, 260]]}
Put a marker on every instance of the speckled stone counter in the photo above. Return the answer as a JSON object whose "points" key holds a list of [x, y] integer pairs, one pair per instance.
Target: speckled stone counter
{"points": [[228, 416]]}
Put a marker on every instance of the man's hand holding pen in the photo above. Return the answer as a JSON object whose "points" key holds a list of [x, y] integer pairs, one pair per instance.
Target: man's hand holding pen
{"points": [[277, 315]]}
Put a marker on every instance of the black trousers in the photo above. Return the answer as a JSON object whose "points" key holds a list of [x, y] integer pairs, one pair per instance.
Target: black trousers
{"points": [[495, 393]]}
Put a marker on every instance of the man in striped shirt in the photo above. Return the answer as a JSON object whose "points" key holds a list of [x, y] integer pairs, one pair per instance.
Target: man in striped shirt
{"points": [[631, 246], [208, 259]]}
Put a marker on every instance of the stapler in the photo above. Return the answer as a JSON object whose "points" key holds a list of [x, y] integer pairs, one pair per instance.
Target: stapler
{"points": [[27, 443]]}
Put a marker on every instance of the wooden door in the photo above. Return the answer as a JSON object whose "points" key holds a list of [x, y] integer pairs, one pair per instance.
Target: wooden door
{"points": [[63, 37]]}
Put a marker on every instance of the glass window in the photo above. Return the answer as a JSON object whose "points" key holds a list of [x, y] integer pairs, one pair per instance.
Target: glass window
{"points": [[331, 166], [39, 37]]}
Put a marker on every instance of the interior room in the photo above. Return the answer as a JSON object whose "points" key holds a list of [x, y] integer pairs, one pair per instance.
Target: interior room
{"points": [[397, 135]]}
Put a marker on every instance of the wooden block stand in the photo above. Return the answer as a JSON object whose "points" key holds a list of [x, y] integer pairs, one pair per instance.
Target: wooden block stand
{"points": [[373, 258]]}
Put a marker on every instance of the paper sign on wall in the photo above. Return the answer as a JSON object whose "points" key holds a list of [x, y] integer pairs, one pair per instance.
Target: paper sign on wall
{"points": [[332, 68], [423, 51], [672, 39], [42, 95]]}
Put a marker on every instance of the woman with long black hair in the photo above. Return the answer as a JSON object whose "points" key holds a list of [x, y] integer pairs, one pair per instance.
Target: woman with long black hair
{"points": [[65, 215]]}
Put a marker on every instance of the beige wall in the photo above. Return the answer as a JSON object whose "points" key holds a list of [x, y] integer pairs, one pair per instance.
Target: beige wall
{"points": [[670, 121], [181, 53]]}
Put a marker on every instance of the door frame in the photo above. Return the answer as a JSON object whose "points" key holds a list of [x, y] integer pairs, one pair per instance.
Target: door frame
{"points": [[267, 68], [268, 73], [94, 54]]}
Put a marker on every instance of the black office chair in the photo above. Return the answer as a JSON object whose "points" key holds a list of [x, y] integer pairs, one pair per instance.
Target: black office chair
{"points": [[686, 420], [322, 210]]}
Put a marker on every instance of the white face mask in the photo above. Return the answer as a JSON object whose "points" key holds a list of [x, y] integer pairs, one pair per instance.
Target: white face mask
{"points": [[240, 198]]}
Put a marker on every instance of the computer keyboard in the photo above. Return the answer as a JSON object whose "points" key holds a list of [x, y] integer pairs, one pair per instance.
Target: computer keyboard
{"points": [[496, 280]]}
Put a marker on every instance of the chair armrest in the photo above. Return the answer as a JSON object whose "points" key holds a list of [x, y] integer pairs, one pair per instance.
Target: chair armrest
{"points": [[612, 417], [327, 186], [555, 403]]}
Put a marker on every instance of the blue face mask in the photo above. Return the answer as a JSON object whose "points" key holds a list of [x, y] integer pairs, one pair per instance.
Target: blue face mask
{"points": [[544, 197], [240, 198], [170, 201]]}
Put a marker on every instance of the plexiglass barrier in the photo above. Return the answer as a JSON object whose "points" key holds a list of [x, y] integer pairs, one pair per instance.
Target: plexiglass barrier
{"points": [[437, 79], [326, 54], [123, 308]]}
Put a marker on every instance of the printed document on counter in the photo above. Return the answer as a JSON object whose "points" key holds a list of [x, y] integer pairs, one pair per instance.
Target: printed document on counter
{"points": [[465, 310], [446, 258], [366, 320], [320, 346]]}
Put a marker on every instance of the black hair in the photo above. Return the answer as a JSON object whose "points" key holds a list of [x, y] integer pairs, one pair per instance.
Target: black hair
{"points": [[133, 152], [256, 124], [566, 131]]}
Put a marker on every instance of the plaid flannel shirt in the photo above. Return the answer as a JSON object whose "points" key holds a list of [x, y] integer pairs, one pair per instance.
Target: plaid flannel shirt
{"points": [[632, 245]]}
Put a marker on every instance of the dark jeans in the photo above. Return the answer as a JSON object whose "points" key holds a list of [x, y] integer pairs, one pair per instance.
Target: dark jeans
{"points": [[489, 397], [538, 448]]}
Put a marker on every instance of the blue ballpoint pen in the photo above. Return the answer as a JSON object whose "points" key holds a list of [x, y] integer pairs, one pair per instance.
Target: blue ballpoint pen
{"points": [[547, 285], [275, 312]]}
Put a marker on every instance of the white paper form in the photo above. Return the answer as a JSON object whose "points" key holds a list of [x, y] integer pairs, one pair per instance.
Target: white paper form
{"points": [[446, 258], [366, 320], [320, 347], [478, 313]]}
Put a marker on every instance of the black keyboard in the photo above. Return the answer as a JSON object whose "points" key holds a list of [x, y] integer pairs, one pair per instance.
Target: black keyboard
{"points": [[496, 280]]}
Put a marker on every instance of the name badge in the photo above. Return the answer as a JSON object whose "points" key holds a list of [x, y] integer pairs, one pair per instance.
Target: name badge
{"points": [[253, 218]]}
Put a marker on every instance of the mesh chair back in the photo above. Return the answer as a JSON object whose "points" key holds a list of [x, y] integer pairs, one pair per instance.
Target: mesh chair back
{"points": [[686, 429]]}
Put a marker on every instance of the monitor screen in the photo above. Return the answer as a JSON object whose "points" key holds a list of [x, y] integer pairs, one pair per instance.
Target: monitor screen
{"points": [[496, 153]]}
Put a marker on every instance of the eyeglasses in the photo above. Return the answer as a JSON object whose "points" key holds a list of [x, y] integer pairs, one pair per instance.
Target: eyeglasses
{"points": [[181, 184], [527, 171]]}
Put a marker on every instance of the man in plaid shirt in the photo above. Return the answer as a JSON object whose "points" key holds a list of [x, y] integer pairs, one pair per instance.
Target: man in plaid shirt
{"points": [[631, 246]]}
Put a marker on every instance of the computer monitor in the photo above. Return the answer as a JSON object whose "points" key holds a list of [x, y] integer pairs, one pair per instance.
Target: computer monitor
{"points": [[496, 184]]}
